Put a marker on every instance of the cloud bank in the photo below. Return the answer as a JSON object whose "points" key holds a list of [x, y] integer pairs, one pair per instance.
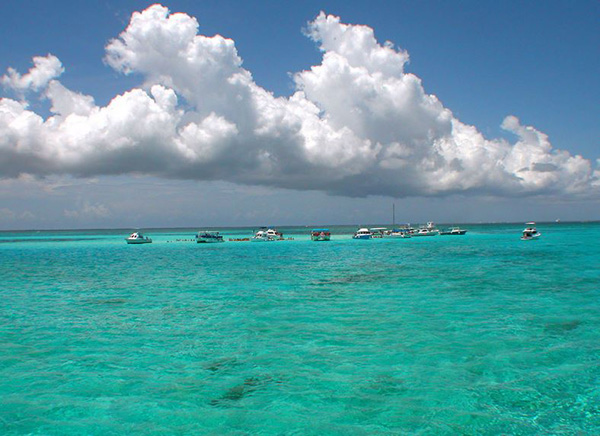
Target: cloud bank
{"points": [[357, 124]]}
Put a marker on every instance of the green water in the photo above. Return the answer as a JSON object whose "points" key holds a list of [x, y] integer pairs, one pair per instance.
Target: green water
{"points": [[474, 334]]}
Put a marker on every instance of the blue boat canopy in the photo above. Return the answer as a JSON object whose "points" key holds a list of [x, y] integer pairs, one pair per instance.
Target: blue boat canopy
{"points": [[319, 230]]}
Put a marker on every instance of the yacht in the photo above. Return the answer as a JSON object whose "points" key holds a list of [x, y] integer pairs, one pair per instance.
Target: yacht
{"points": [[208, 237], [265, 234], [320, 235], [428, 230], [362, 234], [530, 232], [138, 238]]}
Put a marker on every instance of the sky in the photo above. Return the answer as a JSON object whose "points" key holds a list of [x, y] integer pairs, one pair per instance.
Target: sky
{"points": [[118, 114]]}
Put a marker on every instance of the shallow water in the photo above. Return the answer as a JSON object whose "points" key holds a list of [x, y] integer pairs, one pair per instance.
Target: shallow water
{"points": [[474, 334]]}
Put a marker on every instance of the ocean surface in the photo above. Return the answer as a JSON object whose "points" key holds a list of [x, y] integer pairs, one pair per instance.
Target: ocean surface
{"points": [[476, 334]]}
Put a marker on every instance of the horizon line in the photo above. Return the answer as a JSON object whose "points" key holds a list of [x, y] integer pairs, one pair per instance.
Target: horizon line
{"points": [[287, 225]]}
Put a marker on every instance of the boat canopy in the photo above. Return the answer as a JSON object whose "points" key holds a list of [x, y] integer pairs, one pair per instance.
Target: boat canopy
{"points": [[319, 230]]}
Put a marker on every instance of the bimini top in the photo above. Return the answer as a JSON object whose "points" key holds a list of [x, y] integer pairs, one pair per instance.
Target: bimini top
{"points": [[319, 230], [530, 223]]}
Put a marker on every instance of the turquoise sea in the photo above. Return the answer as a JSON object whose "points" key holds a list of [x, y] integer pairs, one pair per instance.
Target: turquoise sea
{"points": [[475, 334]]}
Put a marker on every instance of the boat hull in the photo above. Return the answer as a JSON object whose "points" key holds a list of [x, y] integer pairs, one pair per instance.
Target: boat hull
{"points": [[265, 239], [425, 234], [138, 241], [531, 237]]}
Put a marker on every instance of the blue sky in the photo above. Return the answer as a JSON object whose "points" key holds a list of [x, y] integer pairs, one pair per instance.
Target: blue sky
{"points": [[484, 61]]}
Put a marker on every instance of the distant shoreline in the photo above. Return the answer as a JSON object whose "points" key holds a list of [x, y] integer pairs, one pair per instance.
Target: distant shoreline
{"points": [[308, 226]]}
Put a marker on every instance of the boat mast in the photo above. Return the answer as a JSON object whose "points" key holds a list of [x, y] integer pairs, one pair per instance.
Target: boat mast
{"points": [[393, 214]]}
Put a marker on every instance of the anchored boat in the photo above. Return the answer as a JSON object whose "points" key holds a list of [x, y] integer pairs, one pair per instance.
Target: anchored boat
{"points": [[138, 238], [377, 232], [266, 235], [397, 233], [320, 235], [362, 234], [208, 237], [428, 230], [530, 233], [453, 231]]}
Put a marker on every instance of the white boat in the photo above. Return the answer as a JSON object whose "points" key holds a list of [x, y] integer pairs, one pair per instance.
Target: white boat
{"points": [[428, 230], [530, 233], [362, 234], [424, 232], [320, 235], [208, 237], [453, 231], [266, 235], [138, 238]]}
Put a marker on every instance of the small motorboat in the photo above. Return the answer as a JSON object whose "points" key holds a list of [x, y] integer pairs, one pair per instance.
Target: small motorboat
{"points": [[320, 235], [138, 238], [530, 233], [208, 237], [453, 231], [362, 234], [266, 235]]}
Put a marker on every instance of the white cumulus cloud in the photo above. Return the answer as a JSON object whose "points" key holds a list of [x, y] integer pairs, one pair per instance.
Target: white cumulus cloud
{"points": [[45, 68], [357, 124]]}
